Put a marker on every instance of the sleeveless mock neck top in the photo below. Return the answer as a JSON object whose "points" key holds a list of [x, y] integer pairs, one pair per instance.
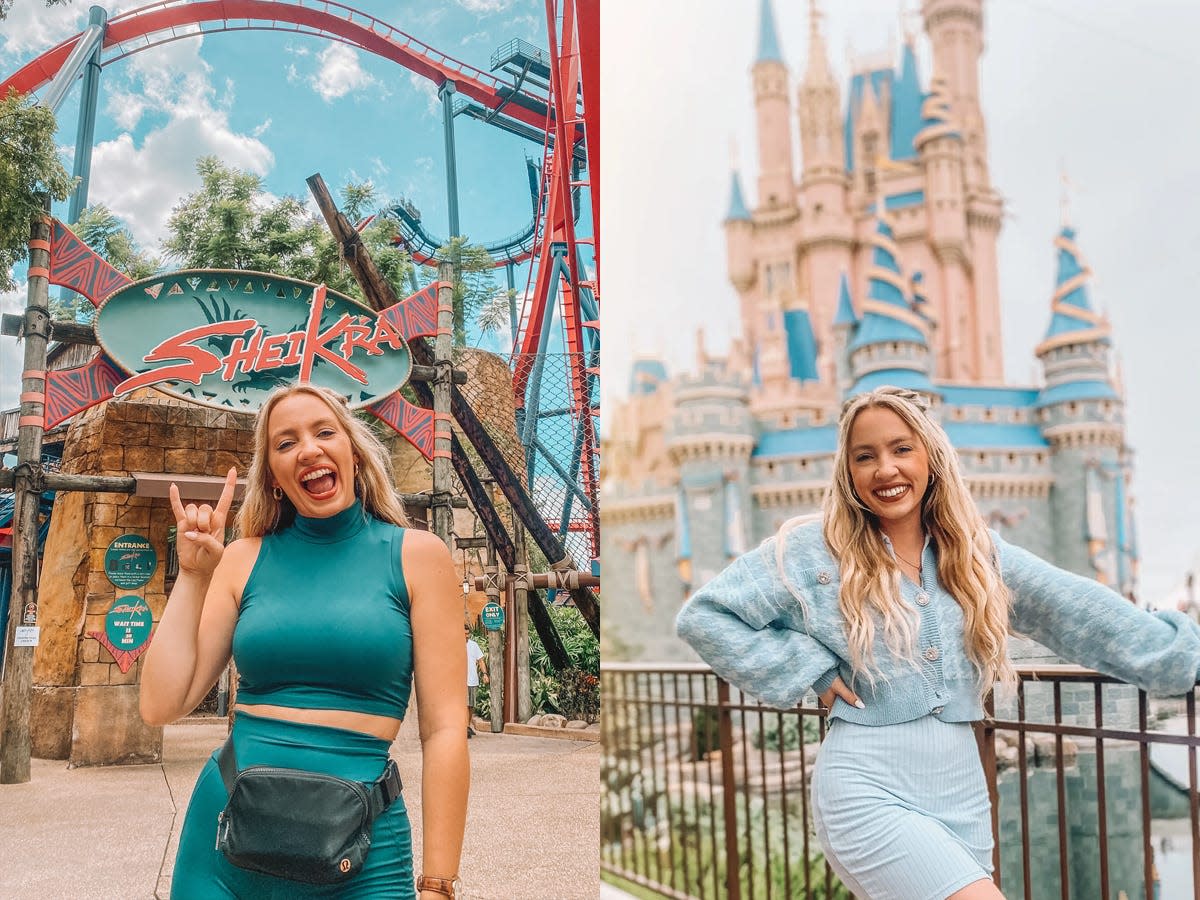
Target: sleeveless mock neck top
{"points": [[324, 619]]}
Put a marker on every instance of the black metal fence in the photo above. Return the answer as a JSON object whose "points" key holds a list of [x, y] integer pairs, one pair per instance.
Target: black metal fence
{"points": [[1094, 788]]}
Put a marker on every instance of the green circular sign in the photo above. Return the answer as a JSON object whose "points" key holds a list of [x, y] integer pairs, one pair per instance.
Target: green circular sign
{"points": [[130, 561], [492, 616], [128, 623]]}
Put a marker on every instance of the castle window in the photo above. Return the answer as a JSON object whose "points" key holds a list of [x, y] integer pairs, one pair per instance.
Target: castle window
{"points": [[1012, 458], [819, 417], [1041, 457], [895, 347], [770, 468], [981, 458], [1072, 408], [989, 415], [804, 464]]}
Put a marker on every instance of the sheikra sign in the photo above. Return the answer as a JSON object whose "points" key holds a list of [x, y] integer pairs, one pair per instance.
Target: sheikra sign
{"points": [[228, 338]]}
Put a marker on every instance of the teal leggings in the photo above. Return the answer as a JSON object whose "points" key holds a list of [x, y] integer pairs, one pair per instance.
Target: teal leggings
{"points": [[202, 872]]}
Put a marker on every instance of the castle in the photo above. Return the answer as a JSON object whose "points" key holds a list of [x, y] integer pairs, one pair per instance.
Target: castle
{"points": [[875, 264]]}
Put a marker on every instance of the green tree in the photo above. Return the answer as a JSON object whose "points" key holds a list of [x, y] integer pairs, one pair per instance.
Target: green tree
{"points": [[6, 5], [475, 291], [100, 229], [231, 223], [29, 166]]}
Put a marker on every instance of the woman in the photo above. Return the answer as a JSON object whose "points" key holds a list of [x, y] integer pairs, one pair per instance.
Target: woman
{"points": [[329, 607], [896, 612]]}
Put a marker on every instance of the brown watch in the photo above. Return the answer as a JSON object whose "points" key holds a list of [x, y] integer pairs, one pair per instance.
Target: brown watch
{"points": [[451, 887]]}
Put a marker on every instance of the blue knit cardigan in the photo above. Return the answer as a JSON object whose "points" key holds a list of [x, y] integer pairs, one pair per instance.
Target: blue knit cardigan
{"points": [[754, 633]]}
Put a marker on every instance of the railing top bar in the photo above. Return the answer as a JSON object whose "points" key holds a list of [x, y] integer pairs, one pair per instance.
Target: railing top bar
{"points": [[651, 668], [1028, 673]]}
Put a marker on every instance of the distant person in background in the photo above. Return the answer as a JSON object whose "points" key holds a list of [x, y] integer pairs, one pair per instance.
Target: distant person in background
{"points": [[896, 611], [476, 669]]}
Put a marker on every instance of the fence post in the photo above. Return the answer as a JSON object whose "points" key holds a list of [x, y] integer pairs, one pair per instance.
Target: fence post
{"points": [[733, 884], [986, 736]]}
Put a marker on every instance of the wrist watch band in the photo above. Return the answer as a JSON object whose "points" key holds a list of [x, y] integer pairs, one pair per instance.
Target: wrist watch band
{"points": [[450, 887]]}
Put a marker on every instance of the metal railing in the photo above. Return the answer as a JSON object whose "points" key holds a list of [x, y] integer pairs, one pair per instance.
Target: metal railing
{"points": [[1094, 788]]}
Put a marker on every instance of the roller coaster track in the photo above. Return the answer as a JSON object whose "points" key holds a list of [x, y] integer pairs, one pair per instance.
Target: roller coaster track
{"points": [[171, 20]]}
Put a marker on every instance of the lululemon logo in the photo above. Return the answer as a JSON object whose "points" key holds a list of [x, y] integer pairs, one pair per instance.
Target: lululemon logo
{"points": [[344, 865]]}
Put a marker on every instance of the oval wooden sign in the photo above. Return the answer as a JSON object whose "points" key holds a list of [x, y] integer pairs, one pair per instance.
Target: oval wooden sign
{"points": [[228, 338]]}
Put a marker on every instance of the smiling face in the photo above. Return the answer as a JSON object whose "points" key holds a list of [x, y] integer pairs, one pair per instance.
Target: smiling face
{"points": [[889, 467], [310, 456]]}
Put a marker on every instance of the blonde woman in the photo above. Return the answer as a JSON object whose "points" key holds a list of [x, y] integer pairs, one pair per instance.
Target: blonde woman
{"points": [[329, 606], [895, 610]]}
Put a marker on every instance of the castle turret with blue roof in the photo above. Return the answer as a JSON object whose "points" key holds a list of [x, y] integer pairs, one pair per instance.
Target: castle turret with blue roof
{"points": [[1083, 418], [874, 263], [891, 342]]}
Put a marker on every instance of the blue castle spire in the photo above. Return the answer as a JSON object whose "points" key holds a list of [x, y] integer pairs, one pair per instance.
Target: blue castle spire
{"points": [[768, 42], [906, 106], [1072, 306], [737, 204], [845, 308]]}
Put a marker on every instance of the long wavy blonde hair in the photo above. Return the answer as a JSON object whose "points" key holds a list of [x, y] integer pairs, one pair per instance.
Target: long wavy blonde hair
{"points": [[374, 483], [870, 591]]}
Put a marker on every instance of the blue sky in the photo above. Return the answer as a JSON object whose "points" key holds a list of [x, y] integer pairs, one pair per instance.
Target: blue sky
{"points": [[285, 106]]}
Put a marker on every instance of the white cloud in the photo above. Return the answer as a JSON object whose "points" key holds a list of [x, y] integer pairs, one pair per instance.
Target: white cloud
{"points": [[422, 85], [141, 180], [33, 26], [340, 73], [260, 130], [485, 6], [10, 351], [475, 36]]}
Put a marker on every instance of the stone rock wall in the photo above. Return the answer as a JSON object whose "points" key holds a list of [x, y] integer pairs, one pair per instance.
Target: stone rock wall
{"points": [[84, 707]]}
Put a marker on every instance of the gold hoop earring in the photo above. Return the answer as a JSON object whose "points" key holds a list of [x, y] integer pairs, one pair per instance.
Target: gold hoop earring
{"points": [[277, 493]]}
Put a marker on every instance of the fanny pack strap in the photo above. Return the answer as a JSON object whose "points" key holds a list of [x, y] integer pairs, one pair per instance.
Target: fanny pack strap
{"points": [[381, 792]]}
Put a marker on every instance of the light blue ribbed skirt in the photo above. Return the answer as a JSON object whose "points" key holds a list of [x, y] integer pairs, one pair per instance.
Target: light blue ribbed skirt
{"points": [[902, 810]]}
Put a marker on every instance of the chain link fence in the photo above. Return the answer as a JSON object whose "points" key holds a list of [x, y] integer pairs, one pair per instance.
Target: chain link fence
{"points": [[547, 439]]}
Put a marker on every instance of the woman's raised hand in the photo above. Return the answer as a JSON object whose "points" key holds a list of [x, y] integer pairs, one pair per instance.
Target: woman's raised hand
{"points": [[200, 530], [839, 688]]}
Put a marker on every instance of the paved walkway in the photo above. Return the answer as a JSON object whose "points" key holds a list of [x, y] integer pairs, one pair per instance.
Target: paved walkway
{"points": [[110, 833]]}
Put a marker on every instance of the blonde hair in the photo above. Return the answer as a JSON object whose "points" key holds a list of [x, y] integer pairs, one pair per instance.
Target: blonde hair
{"points": [[374, 483], [967, 567]]}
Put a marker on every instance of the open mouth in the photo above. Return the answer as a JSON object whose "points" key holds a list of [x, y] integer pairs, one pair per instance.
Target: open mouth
{"points": [[890, 494], [319, 483]]}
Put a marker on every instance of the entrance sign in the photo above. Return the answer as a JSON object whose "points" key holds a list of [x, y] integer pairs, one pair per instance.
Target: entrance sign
{"points": [[229, 338], [25, 636], [492, 616], [130, 561]]}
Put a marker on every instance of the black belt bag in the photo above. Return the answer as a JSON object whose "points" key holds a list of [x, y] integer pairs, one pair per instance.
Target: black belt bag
{"points": [[299, 825]]}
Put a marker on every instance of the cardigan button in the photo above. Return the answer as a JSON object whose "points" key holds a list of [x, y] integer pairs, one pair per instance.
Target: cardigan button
{"points": [[932, 653], [823, 577], [923, 599]]}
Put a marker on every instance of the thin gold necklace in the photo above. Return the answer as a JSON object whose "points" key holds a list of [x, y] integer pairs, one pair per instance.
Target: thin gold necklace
{"points": [[914, 565]]}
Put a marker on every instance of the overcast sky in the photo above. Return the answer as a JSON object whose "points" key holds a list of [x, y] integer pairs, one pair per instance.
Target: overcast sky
{"points": [[1107, 87]]}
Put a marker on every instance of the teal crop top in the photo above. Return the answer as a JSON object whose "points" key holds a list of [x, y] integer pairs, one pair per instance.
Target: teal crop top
{"points": [[324, 619]]}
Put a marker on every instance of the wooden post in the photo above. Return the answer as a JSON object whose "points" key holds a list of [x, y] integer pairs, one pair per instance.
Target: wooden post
{"points": [[520, 625], [495, 648], [443, 471], [22, 607]]}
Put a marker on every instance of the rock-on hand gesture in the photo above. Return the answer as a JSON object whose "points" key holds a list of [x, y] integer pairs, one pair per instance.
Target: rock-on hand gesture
{"points": [[200, 531]]}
